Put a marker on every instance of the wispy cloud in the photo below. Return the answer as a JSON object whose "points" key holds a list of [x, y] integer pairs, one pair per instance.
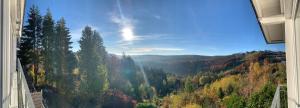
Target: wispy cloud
{"points": [[149, 49], [146, 50], [126, 25], [130, 38], [157, 17], [153, 36]]}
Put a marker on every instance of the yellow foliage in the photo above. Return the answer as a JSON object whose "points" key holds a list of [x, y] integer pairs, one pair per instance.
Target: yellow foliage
{"points": [[76, 72], [179, 100], [41, 80], [31, 72], [103, 75], [224, 83], [258, 75], [176, 101], [193, 105]]}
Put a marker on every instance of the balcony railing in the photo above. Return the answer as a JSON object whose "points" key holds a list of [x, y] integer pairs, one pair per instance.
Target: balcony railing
{"points": [[280, 97], [24, 95]]}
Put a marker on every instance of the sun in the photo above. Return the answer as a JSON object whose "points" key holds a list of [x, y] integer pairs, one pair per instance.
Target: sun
{"points": [[127, 34]]}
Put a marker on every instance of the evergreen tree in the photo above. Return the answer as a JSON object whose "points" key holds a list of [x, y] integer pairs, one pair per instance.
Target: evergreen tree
{"points": [[48, 46], [31, 42], [65, 59], [188, 85], [131, 73], [92, 67]]}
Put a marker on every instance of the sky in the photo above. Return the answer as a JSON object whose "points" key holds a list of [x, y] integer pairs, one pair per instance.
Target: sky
{"points": [[163, 27]]}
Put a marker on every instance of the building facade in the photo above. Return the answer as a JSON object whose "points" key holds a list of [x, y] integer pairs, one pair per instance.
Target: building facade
{"points": [[11, 20], [280, 23]]}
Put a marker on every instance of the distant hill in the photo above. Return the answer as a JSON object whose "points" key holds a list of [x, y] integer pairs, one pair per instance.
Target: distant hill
{"points": [[192, 64]]}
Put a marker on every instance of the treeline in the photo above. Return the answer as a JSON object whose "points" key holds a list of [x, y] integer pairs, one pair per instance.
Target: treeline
{"points": [[45, 50], [88, 78], [68, 79]]}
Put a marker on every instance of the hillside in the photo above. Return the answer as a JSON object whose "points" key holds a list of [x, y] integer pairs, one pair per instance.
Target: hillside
{"points": [[251, 83], [192, 64]]}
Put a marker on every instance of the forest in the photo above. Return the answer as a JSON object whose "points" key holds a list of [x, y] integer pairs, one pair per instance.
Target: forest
{"points": [[94, 78]]}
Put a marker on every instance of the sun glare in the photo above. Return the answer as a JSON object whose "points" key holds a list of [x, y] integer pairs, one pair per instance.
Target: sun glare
{"points": [[127, 34]]}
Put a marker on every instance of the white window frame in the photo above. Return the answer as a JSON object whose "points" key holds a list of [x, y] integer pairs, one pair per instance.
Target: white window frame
{"points": [[1, 51]]}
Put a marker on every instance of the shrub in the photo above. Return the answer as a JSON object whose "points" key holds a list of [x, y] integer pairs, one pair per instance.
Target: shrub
{"points": [[145, 105], [234, 101], [263, 98]]}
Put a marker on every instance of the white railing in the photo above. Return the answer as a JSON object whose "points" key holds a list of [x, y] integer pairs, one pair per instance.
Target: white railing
{"points": [[277, 103], [24, 95]]}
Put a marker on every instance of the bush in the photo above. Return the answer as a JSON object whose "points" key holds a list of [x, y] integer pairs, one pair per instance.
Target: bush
{"points": [[234, 101], [145, 105], [263, 98]]}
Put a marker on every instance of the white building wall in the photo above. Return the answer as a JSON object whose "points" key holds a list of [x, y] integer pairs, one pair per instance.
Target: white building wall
{"points": [[291, 63], [6, 52], [292, 47], [287, 10], [11, 12]]}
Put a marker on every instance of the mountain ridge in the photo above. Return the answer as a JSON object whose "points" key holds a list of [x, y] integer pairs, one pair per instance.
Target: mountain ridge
{"points": [[192, 64]]}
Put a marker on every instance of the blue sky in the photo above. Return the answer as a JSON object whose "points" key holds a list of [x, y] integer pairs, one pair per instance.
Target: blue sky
{"points": [[164, 27]]}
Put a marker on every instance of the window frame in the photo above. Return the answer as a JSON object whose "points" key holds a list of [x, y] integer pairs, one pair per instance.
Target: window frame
{"points": [[1, 51]]}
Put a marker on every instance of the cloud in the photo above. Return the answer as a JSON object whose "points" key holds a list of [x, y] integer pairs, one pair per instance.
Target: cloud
{"points": [[153, 36], [126, 28], [149, 49], [126, 25], [157, 17], [146, 50]]}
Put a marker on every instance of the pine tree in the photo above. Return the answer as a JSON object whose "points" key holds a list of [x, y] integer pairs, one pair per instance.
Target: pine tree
{"points": [[48, 46], [65, 59], [130, 72], [31, 42], [92, 67]]}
